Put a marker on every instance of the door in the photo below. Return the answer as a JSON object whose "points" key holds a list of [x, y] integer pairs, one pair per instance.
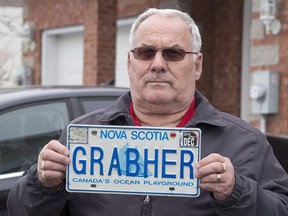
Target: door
{"points": [[62, 56]]}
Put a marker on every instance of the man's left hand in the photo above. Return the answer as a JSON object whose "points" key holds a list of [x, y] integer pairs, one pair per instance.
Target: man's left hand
{"points": [[216, 174]]}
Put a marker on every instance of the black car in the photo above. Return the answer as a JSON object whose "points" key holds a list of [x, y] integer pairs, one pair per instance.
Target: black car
{"points": [[32, 116], [280, 147]]}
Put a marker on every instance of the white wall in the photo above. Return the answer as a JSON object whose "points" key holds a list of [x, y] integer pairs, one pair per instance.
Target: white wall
{"points": [[11, 19]]}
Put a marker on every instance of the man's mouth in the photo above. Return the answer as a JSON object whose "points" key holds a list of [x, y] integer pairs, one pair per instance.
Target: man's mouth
{"points": [[158, 81]]}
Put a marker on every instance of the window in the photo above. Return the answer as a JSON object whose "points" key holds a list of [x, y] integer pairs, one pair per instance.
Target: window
{"points": [[26, 130], [92, 104]]}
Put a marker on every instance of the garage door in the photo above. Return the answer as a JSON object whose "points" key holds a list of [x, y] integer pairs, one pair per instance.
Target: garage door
{"points": [[62, 56], [122, 47]]}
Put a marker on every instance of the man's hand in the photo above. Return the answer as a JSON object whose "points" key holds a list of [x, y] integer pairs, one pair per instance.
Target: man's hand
{"points": [[52, 162], [216, 174]]}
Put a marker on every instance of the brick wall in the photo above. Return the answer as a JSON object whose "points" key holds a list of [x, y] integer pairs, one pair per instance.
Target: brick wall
{"points": [[98, 18], [127, 8], [270, 52], [100, 41], [221, 30]]}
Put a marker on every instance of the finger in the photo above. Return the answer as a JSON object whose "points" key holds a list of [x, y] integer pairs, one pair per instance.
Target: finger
{"points": [[56, 152], [43, 165], [51, 155], [212, 168], [214, 157], [213, 178], [49, 175], [50, 165], [57, 147], [42, 176], [41, 155], [223, 167]]}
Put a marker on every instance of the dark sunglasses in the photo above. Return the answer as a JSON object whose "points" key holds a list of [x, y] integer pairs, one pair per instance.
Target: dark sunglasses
{"points": [[169, 54]]}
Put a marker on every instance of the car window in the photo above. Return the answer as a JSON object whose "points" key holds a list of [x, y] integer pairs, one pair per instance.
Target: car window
{"points": [[26, 130], [91, 104]]}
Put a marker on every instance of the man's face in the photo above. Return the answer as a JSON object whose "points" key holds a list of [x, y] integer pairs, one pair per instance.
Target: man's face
{"points": [[157, 81]]}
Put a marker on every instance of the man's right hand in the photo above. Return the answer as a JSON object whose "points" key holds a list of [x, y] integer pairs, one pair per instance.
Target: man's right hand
{"points": [[52, 162]]}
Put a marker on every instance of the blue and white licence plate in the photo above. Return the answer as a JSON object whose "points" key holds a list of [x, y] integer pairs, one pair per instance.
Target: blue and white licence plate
{"points": [[133, 160]]}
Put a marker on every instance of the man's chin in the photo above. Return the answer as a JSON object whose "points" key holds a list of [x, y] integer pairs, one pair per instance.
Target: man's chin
{"points": [[159, 98]]}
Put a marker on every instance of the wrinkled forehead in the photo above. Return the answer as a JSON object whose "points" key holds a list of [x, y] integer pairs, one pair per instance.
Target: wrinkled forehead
{"points": [[164, 29]]}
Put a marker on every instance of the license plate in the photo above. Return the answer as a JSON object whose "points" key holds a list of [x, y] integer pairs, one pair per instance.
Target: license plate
{"points": [[133, 160]]}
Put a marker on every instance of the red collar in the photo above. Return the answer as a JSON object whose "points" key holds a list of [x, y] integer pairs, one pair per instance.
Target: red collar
{"points": [[188, 115]]}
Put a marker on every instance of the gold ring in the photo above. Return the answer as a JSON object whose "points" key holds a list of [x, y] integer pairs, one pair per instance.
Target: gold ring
{"points": [[43, 165], [41, 155], [223, 167], [218, 178], [43, 176]]}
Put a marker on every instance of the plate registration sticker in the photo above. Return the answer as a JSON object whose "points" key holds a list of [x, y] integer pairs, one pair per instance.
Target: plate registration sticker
{"points": [[133, 160]]}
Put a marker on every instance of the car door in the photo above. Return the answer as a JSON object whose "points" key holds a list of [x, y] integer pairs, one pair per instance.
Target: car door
{"points": [[23, 132], [25, 129]]}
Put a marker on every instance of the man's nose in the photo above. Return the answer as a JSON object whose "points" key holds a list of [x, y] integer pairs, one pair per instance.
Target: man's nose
{"points": [[158, 63]]}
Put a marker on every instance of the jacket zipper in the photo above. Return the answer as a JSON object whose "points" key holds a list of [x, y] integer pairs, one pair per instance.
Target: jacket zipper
{"points": [[145, 206], [147, 199]]}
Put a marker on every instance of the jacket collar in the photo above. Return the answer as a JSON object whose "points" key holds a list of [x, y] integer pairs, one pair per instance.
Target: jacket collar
{"points": [[119, 109], [205, 112]]}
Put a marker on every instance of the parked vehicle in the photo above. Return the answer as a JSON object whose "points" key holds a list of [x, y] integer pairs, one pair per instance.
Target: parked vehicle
{"points": [[32, 116], [280, 148]]}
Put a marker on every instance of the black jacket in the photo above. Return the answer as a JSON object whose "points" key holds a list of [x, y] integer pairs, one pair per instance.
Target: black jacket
{"points": [[261, 183]]}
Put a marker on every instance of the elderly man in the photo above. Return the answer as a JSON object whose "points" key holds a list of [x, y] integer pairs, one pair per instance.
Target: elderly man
{"points": [[238, 172]]}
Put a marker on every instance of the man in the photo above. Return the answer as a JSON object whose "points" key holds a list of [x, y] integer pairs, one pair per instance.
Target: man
{"points": [[239, 173]]}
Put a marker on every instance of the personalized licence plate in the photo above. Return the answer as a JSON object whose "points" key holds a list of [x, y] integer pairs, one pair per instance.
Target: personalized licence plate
{"points": [[133, 160]]}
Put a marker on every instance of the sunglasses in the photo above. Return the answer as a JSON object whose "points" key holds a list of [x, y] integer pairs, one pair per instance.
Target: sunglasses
{"points": [[168, 54]]}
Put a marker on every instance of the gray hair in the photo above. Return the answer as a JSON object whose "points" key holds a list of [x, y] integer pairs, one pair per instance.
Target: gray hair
{"points": [[196, 41]]}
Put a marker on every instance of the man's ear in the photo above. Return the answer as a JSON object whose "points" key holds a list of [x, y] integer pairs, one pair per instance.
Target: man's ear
{"points": [[128, 61], [198, 66]]}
